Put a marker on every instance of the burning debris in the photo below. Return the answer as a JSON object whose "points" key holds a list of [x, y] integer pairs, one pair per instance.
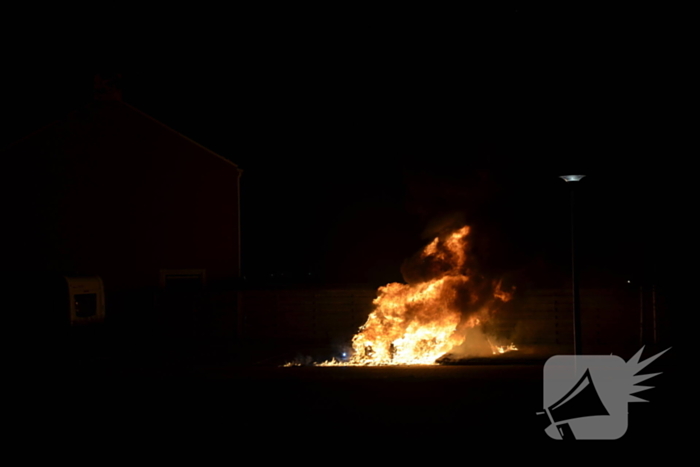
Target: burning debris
{"points": [[503, 348], [418, 322]]}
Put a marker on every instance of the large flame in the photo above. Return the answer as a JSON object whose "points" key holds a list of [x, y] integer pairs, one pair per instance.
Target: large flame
{"points": [[418, 323]]}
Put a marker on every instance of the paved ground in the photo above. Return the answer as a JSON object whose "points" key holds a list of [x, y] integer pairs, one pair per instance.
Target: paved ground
{"points": [[456, 405], [127, 397]]}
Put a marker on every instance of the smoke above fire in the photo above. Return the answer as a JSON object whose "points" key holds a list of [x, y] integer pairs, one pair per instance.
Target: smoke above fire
{"points": [[443, 302]]}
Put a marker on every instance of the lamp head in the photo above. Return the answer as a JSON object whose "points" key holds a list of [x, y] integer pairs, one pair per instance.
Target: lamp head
{"points": [[572, 178]]}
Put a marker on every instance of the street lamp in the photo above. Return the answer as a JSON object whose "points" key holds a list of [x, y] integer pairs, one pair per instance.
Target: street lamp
{"points": [[574, 276], [572, 178]]}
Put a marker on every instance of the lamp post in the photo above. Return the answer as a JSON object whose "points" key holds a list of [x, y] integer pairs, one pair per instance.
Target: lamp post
{"points": [[574, 276]]}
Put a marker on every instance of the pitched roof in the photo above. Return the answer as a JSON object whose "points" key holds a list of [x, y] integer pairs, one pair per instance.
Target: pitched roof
{"points": [[179, 134], [124, 105]]}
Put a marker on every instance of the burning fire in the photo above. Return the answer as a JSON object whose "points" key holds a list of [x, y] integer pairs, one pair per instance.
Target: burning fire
{"points": [[419, 322], [502, 348]]}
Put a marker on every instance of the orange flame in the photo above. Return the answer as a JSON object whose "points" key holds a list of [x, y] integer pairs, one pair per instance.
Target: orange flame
{"points": [[418, 323]]}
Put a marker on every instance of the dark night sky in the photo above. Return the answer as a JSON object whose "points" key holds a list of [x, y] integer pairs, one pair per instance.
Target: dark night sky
{"points": [[352, 147]]}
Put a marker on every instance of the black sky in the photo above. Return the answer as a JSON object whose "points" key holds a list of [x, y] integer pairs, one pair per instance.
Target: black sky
{"points": [[352, 144]]}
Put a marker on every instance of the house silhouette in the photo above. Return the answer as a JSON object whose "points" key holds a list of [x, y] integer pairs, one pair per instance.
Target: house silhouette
{"points": [[110, 192]]}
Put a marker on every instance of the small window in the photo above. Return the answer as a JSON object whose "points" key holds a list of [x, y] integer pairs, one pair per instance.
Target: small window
{"points": [[183, 284], [85, 305], [182, 279]]}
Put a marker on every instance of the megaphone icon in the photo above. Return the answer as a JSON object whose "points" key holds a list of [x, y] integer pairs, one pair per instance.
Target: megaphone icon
{"points": [[581, 401]]}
